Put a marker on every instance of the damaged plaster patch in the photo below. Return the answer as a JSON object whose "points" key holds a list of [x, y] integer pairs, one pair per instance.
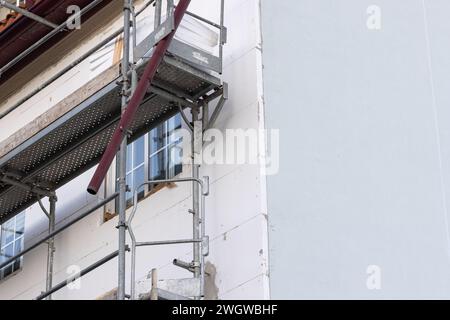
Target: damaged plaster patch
{"points": [[110, 295], [211, 289]]}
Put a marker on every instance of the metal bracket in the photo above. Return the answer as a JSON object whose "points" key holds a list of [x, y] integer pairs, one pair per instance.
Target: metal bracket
{"points": [[224, 35], [41, 205], [27, 187], [205, 186], [122, 224], [205, 246], [171, 97], [185, 265], [219, 106]]}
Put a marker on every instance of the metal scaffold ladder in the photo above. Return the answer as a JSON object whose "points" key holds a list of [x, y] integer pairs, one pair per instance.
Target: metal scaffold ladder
{"points": [[199, 240]]}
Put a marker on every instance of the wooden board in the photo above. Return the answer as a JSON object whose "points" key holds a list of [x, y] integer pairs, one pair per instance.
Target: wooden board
{"points": [[60, 109]]}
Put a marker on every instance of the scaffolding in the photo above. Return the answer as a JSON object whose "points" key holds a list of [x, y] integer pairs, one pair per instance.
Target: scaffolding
{"points": [[159, 77]]}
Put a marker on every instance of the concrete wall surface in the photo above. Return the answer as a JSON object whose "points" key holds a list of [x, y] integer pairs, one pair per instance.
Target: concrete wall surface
{"points": [[359, 91]]}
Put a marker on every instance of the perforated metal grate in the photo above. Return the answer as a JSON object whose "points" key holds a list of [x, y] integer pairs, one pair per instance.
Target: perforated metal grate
{"points": [[76, 141]]}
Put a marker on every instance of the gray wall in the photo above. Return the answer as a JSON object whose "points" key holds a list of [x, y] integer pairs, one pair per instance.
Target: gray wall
{"points": [[365, 147]]}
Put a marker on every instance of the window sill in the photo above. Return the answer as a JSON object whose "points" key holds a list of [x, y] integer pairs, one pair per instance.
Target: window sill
{"points": [[9, 276], [170, 185]]}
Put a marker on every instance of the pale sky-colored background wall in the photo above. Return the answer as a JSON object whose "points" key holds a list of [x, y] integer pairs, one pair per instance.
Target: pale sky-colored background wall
{"points": [[365, 147], [236, 211]]}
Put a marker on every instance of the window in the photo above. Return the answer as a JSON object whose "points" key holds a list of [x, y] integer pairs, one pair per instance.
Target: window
{"points": [[165, 155], [154, 156], [136, 166], [12, 235]]}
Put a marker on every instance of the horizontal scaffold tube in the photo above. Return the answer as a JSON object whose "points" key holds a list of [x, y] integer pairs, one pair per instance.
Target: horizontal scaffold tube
{"points": [[136, 99], [83, 272], [54, 233]]}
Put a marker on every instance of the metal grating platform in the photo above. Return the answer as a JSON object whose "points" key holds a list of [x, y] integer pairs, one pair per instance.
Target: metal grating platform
{"points": [[75, 142]]}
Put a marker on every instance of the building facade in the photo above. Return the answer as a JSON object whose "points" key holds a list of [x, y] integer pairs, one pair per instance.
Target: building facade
{"points": [[343, 193]]}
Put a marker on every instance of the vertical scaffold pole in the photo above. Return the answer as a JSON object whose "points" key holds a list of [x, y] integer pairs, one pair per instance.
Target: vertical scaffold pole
{"points": [[51, 244], [122, 154], [196, 149]]}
